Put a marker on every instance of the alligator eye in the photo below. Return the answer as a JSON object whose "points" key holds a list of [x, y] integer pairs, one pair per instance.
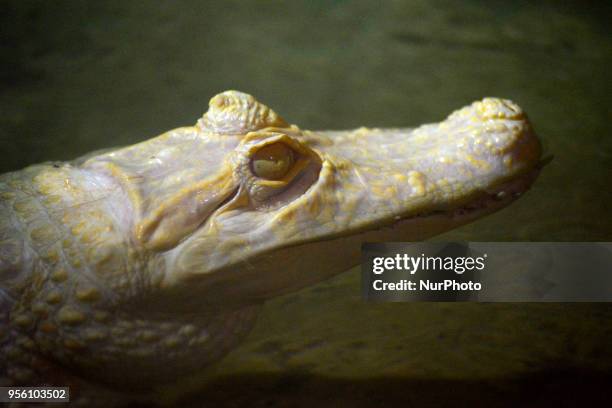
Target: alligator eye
{"points": [[272, 161]]}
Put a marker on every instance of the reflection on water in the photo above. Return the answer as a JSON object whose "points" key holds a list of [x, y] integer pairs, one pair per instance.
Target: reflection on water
{"points": [[79, 76]]}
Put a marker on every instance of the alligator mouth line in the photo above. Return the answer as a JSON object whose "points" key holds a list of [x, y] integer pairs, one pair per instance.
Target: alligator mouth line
{"points": [[494, 198]]}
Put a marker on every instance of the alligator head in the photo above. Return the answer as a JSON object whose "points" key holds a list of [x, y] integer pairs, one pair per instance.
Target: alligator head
{"points": [[139, 243], [244, 206]]}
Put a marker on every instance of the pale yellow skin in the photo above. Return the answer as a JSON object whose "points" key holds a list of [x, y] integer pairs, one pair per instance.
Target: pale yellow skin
{"points": [[138, 266]]}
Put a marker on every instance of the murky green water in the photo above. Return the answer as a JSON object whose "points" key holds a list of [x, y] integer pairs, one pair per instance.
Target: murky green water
{"points": [[78, 76]]}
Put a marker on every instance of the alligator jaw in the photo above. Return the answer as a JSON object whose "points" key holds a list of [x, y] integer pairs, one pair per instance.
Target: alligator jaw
{"points": [[292, 267]]}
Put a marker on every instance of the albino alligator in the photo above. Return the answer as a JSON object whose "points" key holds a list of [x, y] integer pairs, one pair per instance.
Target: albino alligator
{"points": [[138, 266]]}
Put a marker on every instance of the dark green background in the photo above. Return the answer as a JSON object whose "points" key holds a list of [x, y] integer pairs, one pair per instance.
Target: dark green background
{"points": [[77, 76]]}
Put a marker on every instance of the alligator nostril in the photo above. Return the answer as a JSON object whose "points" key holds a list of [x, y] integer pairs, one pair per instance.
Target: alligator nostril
{"points": [[497, 108]]}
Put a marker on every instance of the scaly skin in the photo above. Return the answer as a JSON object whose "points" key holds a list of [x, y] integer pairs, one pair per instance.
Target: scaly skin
{"points": [[136, 267]]}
